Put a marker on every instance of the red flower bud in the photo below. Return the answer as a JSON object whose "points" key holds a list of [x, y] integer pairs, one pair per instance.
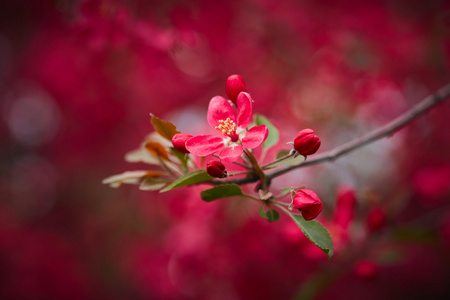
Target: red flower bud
{"points": [[376, 219], [366, 269], [306, 142], [235, 85], [179, 141], [307, 203], [216, 169], [345, 207]]}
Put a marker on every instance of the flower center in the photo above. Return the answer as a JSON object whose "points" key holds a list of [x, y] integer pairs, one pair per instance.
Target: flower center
{"points": [[228, 127]]}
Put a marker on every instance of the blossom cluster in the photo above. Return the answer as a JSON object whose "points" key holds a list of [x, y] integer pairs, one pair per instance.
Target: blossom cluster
{"points": [[235, 140], [238, 137]]}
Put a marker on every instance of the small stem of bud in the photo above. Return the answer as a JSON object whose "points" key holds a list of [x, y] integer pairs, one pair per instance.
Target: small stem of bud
{"points": [[290, 154], [237, 173], [279, 203]]}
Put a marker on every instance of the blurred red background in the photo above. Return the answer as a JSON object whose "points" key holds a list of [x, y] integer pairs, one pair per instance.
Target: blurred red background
{"points": [[79, 78]]}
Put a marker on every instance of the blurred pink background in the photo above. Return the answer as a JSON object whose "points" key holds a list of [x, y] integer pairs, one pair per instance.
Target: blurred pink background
{"points": [[78, 80]]}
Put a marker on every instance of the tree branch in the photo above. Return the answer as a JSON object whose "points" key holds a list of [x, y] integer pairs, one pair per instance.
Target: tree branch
{"points": [[387, 130]]}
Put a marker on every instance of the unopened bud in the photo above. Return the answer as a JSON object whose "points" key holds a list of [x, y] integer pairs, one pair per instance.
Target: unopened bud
{"points": [[216, 169], [366, 269], [306, 142], [235, 85], [345, 207], [179, 141], [308, 203], [376, 219]]}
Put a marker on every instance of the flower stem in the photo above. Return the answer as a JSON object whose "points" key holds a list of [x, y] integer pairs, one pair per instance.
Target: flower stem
{"points": [[284, 209], [237, 173], [258, 170], [279, 203], [278, 160]]}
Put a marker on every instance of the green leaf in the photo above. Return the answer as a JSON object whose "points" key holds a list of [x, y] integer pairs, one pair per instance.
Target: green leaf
{"points": [[273, 136], [282, 153], [262, 213], [221, 191], [188, 179], [315, 232], [166, 129], [271, 215]]}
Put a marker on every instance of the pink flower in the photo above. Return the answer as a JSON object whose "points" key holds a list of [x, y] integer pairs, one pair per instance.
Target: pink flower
{"points": [[235, 85], [308, 203], [179, 141], [222, 117]]}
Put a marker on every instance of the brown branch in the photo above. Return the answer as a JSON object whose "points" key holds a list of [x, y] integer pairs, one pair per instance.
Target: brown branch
{"points": [[387, 130]]}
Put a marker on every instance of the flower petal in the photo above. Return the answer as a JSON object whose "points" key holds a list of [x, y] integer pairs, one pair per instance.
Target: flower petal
{"points": [[231, 153], [219, 109], [204, 145], [244, 104], [255, 136]]}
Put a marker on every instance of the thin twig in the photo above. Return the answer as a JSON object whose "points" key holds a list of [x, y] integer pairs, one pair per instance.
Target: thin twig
{"points": [[290, 154], [237, 173], [387, 130], [279, 203]]}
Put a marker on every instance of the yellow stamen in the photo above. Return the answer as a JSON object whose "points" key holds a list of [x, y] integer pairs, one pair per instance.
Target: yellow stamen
{"points": [[228, 127]]}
